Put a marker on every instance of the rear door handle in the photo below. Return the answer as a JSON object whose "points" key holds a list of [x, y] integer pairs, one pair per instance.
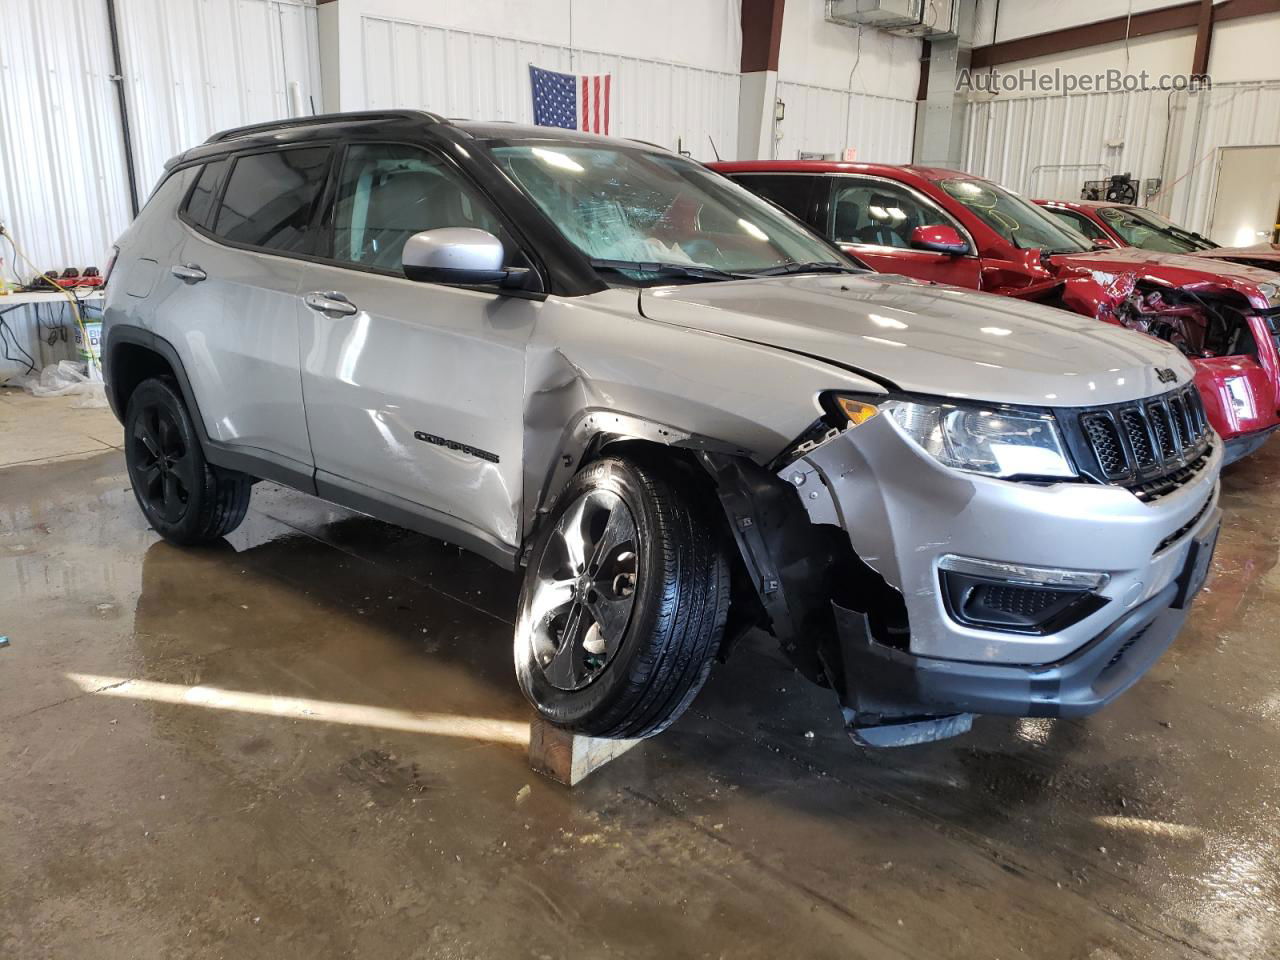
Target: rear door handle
{"points": [[331, 304], [189, 273]]}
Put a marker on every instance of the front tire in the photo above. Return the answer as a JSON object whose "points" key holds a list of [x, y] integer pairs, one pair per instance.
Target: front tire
{"points": [[624, 601], [186, 499]]}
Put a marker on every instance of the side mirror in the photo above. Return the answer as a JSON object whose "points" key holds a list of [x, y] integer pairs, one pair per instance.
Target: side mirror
{"points": [[1104, 243], [939, 239], [464, 255]]}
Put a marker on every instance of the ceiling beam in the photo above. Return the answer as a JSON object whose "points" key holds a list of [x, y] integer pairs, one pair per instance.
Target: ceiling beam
{"points": [[1180, 17]]}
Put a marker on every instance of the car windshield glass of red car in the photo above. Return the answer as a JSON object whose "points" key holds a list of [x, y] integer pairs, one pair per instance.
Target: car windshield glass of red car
{"points": [[1138, 228], [1019, 221]]}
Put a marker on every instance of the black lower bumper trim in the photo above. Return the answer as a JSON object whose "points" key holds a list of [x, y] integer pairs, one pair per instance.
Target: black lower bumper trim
{"points": [[883, 685]]}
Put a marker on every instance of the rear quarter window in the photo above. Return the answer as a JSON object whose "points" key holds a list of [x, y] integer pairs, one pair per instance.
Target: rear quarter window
{"points": [[199, 206]]}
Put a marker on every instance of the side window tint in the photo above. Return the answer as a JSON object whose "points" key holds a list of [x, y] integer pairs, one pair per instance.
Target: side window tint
{"points": [[388, 192], [791, 192], [200, 202], [873, 212], [1078, 222], [270, 197]]}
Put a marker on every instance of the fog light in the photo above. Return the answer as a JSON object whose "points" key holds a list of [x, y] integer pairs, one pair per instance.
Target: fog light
{"points": [[1017, 598]]}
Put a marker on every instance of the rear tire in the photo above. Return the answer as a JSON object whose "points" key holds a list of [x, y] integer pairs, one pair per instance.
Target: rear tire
{"points": [[186, 499], [624, 601]]}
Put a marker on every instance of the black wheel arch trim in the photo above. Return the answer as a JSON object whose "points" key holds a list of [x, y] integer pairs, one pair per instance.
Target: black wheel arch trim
{"points": [[261, 464]]}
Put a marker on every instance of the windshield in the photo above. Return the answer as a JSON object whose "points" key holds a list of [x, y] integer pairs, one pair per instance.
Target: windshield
{"points": [[1019, 221], [1149, 231], [644, 217]]}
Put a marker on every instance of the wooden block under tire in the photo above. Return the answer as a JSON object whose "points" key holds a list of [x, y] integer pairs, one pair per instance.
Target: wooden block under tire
{"points": [[568, 757]]}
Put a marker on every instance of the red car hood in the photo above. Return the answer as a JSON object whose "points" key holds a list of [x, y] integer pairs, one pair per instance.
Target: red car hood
{"points": [[1173, 269]]}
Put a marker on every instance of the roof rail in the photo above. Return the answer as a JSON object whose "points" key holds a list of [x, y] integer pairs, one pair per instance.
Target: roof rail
{"points": [[324, 118]]}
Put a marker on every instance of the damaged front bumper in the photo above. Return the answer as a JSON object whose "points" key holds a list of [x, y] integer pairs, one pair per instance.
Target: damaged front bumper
{"points": [[905, 514], [1241, 446]]}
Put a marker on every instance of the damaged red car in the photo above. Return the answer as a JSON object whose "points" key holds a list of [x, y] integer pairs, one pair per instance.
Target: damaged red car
{"points": [[955, 228], [1109, 224]]}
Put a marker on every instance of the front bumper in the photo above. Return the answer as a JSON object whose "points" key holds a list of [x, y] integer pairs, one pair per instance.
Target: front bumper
{"points": [[908, 686], [1246, 443], [904, 512]]}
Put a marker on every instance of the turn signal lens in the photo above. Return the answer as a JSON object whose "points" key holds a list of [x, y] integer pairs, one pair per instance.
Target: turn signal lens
{"points": [[857, 411]]}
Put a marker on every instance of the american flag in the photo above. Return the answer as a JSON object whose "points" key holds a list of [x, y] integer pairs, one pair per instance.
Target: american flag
{"points": [[575, 101]]}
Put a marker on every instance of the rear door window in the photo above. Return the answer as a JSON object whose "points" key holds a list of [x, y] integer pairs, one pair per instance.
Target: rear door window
{"points": [[270, 198], [201, 199]]}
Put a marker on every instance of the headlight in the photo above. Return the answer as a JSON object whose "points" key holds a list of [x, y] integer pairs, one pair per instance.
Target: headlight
{"points": [[978, 439]]}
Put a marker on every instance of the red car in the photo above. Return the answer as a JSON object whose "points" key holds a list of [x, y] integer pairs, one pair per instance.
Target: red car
{"points": [[1126, 225], [959, 229]]}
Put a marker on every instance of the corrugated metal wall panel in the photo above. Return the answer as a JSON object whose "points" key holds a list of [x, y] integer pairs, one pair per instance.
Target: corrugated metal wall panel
{"points": [[1046, 146], [1235, 115], [194, 67], [191, 66], [63, 190], [825, 120], [464, 74]]}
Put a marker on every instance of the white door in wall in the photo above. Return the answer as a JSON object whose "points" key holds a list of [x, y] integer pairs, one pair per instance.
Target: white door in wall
{"points": [[1246, 207]]}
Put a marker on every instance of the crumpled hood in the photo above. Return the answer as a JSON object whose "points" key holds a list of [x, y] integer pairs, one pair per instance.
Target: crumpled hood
{"points": [[1175, 269], [928, 338]]}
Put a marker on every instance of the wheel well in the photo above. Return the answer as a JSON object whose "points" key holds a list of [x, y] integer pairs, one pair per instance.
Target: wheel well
{"points": [[130, 364], [745, 610]]}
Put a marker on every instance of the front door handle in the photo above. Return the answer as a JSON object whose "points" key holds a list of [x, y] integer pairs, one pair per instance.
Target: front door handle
{"points": [[189, 273], [331, 304]]}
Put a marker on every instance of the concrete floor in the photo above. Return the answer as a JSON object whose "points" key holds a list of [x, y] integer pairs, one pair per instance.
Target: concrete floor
{"points": [[347, 777]]}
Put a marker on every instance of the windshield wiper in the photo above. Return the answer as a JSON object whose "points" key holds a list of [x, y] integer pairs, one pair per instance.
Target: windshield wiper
{"points": [[815, 266], [663, 269]]}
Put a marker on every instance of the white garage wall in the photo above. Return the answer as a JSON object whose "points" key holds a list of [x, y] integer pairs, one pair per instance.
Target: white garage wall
{"points": [[1231, 115], [837, 57], [845, 88], [194, 67], [459, 73], [824, 120], [63, 190], [191, 67], [1024, 18], [1045, 146]]}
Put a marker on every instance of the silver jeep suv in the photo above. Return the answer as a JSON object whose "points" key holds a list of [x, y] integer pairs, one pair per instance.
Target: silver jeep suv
{"points": [[683, 413]]}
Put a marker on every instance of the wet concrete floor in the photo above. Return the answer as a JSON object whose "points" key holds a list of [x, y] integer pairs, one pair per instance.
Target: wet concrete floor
{"points": [[306, 743]]}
